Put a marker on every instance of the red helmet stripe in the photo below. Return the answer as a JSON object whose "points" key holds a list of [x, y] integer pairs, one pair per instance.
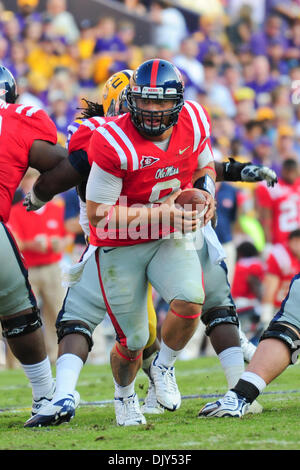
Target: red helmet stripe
{"points": [[154, 73]]}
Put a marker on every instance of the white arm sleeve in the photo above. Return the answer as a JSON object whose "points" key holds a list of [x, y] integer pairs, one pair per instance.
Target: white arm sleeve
{"points": [[102, 187], [205, 157]]}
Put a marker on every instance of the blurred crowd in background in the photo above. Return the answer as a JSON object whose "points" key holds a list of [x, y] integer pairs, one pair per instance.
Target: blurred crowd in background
{"points": [[241, 61]]}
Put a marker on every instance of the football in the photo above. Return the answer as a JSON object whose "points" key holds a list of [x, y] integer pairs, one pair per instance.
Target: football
{"points": [[193, 199]]}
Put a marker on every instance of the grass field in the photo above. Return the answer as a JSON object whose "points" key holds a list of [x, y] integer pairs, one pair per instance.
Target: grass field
{"points": [[93, 427]]}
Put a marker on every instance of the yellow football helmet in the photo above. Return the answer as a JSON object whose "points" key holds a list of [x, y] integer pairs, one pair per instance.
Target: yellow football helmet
{"points": [[112, 90]]}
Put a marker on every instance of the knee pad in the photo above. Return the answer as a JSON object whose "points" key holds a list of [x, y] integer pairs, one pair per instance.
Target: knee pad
{"points": [[63, 329], [218, 316], [21, 325], [288, 334]]}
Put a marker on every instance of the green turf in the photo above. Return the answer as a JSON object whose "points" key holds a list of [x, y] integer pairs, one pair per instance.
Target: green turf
{"points": [[94, 427]]}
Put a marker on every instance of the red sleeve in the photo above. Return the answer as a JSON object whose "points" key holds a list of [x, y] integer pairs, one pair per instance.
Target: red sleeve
{"points": [[37, 125], [102, 153], [263, 196], [80, 139], [272, 266], [256, 270]]}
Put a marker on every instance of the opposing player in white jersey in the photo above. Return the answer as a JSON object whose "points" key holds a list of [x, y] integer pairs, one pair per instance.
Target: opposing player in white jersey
{"points": [[278, 348]]}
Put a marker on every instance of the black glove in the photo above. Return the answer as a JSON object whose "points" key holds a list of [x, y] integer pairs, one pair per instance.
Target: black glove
{"points": [[247, 172]]}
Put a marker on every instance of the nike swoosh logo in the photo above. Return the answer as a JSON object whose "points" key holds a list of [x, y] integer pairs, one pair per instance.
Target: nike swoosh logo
{"points": [[182, 151], [110, 249]]}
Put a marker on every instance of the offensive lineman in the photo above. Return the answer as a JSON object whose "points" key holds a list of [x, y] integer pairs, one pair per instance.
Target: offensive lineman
{"points": [[27, 138]]}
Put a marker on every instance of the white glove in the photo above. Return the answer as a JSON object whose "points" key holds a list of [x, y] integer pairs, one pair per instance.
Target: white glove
{"points": [[253, 173], [31, 202], [269, 175]]}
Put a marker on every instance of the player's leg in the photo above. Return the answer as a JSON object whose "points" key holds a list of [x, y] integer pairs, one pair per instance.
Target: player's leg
{"points": [[151, 405], [220, 317], [82, 310], [122, 275], [20, 320], [175, 272], [278, 348], [52, 294]]}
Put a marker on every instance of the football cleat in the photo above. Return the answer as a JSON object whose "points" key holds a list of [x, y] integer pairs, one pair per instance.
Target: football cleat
{"points": [[43, 401], [248, 348], [151, 405], [255, 408], [128, 412], [231, 405], [166, 389], [55, 412]]}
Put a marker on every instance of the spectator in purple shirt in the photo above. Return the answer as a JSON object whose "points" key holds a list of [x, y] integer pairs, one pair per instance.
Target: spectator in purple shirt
{"points": [[26, 13], [108, 41], [262, 82], [273, 30], [206, 37], [292, 53], [59, 111], [278, 64], [17, 62]]}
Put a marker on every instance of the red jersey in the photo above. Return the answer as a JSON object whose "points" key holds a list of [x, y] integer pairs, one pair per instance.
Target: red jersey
{"points": [[244, 269], [19, 126], [148, 173], [284, 201], [283, 264], [81, 130], [46, 222]]}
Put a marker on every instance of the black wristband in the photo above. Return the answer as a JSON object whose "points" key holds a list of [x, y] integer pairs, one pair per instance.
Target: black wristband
{"points": [[206, 183], [232, 170]]}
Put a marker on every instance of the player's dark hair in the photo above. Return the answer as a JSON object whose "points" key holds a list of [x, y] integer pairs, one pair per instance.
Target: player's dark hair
{"points": [[91, 110], [294, 234], [246, 250], [290, 164]]}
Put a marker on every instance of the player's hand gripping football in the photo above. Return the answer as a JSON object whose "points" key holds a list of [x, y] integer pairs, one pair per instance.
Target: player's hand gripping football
{"points": [[211, 207], [180, 219]]}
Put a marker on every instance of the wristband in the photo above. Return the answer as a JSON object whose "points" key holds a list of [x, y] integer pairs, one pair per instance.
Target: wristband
{"points": [[206, 183], [232, 170]]}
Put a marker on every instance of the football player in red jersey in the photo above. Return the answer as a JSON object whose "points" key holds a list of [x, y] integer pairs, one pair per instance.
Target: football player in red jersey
{"points": [[231, 171], [282, 264], [147, 156], [27, 138], [279, 207]]}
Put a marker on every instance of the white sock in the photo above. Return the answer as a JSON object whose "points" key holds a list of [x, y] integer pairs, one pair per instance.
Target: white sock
{"points": [[40, 377], [167, 356], [254, 379], [68, 368], [232, 362], [123, 392]]}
